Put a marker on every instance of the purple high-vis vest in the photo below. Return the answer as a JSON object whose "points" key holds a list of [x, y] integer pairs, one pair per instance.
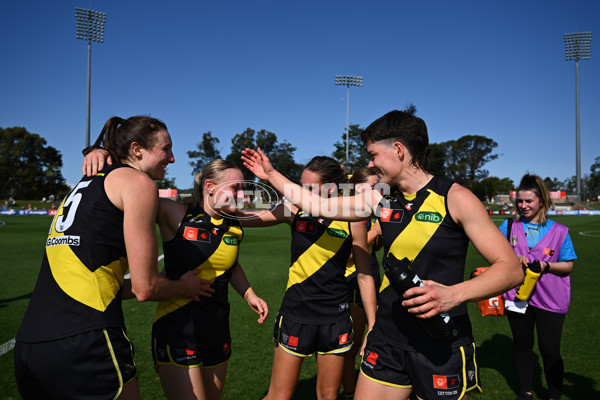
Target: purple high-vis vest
{"points": [[552, 292]]}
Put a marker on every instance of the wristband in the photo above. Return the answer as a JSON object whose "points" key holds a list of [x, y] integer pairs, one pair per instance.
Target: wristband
{"points": [[547, 267]]}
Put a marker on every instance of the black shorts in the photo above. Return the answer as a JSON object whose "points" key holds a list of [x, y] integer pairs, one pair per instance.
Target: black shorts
{"points": [[303, 340], [91, 365], [183, 357], [439, 375]]}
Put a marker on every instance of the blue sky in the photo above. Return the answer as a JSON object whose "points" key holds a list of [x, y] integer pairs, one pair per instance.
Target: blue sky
{"points": [[489, 68]]}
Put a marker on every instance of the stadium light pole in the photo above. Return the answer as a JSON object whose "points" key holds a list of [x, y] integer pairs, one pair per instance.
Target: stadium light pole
{"points": [[90, 27], [346, 80], [578, 47]]}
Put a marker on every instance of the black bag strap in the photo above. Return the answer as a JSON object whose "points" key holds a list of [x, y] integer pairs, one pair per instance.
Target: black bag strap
{"points": [[509, 228]]}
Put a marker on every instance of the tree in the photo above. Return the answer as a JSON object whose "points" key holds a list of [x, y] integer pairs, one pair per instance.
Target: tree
{"points": [[280, 154], [357, 151], [553, 184], [465, 158], [283, 160], [28, 168], [358, 157], [492, 186], [570, 184], [437, 160], [206, 152], [166, 183], [594, 180]]}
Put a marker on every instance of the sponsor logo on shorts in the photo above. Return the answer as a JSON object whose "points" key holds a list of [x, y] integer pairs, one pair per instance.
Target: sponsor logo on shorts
{"points": [[63, 240], [428, 216], [548, 252], [445, 381], [338, 233], [343, 339], [372, 358], [186, 357], [293, 341], [226, 346]]}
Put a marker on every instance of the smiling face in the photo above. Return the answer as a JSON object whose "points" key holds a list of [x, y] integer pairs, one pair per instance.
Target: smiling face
{"points": [[222, 193], [311, 181], [154, 161], [529, 205], [384, 161]]}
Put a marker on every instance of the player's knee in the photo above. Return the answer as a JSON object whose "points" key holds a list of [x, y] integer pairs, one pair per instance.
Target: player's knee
{"points": [[327, 393]]}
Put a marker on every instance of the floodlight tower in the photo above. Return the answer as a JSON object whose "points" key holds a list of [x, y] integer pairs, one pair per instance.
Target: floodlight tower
{"points": [[578, 47], [346, 80], [90, 27]]}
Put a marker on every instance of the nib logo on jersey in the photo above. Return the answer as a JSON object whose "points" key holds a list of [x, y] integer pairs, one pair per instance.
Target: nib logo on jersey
{"points": [[67, 240]]}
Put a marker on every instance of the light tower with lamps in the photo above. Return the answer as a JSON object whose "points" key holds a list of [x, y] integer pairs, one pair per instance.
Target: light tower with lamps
{"points": [[346, 80], [90, 27], [578, 47]]}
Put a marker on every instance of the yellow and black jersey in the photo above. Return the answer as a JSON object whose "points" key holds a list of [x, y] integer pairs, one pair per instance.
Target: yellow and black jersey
{"points": [[316, 290], [420, 228], [79, 284], [210, 246], [351, 267]]}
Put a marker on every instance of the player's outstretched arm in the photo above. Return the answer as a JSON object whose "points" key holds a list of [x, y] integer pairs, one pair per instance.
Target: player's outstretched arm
{"points": [[344, 208]]}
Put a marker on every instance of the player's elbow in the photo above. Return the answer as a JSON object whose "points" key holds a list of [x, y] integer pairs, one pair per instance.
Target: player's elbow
{"points": [[143, 294], [516, 273]]}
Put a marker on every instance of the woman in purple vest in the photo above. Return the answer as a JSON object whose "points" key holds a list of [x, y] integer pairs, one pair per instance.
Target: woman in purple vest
{"points": [[535, 237]]}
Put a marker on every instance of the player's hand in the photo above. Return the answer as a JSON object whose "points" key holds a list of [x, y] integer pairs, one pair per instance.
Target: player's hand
{"points": [[257, 162], [258, 305], [524, 260], [431, 299], [364, 344], [195, 287], [94, 161]]}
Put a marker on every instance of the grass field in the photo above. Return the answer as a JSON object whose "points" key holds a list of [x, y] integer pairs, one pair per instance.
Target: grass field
{"points": [[265, 257]]}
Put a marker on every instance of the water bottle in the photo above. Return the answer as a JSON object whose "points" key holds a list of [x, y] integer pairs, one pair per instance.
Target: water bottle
{"points": [[532, 274], [402, 278]]}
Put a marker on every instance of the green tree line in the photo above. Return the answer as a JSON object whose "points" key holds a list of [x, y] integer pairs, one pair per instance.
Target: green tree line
{"points": [[30, 169]]}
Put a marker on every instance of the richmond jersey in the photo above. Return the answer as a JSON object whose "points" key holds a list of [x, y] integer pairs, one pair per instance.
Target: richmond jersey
{"points": [[79, 284], [351, 267], [210, 246], [420, 228], [316, 290]]}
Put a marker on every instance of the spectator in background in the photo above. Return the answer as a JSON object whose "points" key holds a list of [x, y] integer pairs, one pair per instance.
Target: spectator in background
{"points": [[535, 237]]}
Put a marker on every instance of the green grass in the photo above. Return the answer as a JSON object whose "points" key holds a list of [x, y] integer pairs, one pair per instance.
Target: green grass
{"points": [[265, 257]]}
